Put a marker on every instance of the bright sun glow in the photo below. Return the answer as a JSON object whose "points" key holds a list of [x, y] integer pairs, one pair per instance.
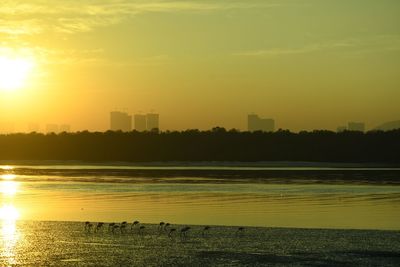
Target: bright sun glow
{"points": [[6, 167], [14, 72], [9, 213], [9, 188], [7, 176]]}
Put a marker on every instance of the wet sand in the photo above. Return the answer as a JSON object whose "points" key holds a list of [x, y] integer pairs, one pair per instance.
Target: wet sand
{"points": [[68, 244]]}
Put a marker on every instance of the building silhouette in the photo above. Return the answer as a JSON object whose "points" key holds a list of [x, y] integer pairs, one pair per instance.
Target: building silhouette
{"points": [[52, 128], [33, 127], [152, 121], [356, 126], [7, 127], [120, 121], [255, 123], [140, 122], [388, 126], [65, 128]]}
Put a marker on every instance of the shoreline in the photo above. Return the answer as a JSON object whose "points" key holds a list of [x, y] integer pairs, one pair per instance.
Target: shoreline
{"points": [[200, 164], [182, 175]]}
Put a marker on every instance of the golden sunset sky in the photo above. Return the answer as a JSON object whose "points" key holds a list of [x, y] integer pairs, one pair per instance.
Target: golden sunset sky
{"points": [[200, 63]]}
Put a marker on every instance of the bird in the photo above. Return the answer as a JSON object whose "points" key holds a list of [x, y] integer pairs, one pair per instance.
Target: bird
{"points": [[116, 226], [205, 230], [161, 226], [141, 228], [122, 227], [184, 231], [110, 226], [88, 226], [171, 231], [166, 226], [98, 226], [134, 224], [239, 230]]}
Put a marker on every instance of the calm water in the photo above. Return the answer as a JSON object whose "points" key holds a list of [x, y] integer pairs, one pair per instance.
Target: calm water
{"points": [[109, 193]]}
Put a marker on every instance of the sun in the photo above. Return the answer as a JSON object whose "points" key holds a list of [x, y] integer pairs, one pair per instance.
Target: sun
{"points": [[14, 72]]}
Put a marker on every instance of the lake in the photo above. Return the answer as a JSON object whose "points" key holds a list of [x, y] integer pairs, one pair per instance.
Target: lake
{"points": [[300, 197]]}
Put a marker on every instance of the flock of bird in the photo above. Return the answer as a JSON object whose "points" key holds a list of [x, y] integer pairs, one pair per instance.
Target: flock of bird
{"points": [[136, 226]]}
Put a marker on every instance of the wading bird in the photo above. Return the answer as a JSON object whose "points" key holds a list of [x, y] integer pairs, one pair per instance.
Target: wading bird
{"points": [[206, 229], [98, 227], [110, 226], [161, 226], [123, 227], [116, 226], [166, 226], [184, 231], [171, 231], [134, 224], [239, 230], [141, 228], [88, 226]]}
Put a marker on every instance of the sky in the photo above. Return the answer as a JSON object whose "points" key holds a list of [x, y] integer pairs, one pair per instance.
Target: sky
{"points": [[309, 64]]}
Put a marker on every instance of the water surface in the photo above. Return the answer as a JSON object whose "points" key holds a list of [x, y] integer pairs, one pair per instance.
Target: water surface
{"points": [[307, 198]]}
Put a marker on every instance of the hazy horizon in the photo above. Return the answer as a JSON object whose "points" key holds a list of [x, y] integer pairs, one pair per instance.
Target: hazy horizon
{"points": [[308, 64]]}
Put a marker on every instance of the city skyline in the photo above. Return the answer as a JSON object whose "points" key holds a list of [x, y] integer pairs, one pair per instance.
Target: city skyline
{"points": [[200, 63], [139, 122]]}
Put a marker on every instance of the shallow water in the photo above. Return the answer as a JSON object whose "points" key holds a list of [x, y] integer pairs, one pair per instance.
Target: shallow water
{"points": [[33, 243], [307, 198]]}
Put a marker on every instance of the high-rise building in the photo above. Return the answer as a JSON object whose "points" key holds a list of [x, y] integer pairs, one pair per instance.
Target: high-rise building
{"points": [[255, 123], [33, 127], [140, 122], [120, 121], [356, 126], [65, 128], [388, 126], [52, 128], [7, 127], [152, 121]]}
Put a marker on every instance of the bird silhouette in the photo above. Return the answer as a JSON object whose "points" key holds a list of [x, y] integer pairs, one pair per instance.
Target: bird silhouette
{"points": [[98, 227], [116, 226], [171, 231], [88, 226], [239, 231], [122, 227], [166, 227], [184, 231], [110, 226], [135, 223], [206, 229], [141, 229]]}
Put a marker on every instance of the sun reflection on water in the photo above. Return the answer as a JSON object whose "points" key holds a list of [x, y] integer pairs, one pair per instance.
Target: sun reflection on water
{"points": [[9, 188], [6, 167], [9, 233], [9, 214], [8, 176]]}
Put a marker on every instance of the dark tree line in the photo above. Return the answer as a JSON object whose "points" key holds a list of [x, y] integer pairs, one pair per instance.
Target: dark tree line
{"points": [[217, 144]]}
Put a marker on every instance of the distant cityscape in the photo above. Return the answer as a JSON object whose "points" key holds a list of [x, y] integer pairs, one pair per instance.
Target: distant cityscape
{"points": [[123, 121], [255, 123]]}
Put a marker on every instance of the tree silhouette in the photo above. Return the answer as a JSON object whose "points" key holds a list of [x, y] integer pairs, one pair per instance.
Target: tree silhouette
{"points": [[217, 144]]}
